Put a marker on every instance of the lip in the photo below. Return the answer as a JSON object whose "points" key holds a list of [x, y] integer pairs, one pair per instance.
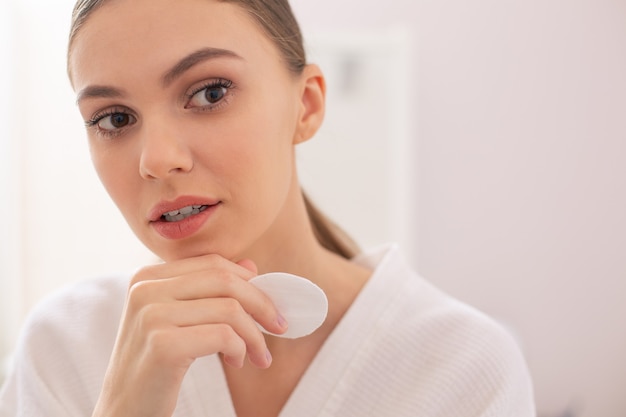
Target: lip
{"points": [[183, 201], [183, 228]]}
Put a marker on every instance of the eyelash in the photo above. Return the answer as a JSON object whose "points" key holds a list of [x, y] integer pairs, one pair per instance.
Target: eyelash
{"points": [[93, 122], [216, 83]]}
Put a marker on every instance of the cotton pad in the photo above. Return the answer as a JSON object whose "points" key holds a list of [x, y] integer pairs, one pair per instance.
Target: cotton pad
{"points": [[302, 303]]}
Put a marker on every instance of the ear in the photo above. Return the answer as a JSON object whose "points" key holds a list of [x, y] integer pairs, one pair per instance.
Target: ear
{"points": [[312, 103]]}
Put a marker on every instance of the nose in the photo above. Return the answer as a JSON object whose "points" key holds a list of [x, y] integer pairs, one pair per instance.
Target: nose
{"points": [[163, 153]]}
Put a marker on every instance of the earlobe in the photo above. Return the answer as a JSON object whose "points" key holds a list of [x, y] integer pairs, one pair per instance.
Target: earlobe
{"points": [[313, 103]]}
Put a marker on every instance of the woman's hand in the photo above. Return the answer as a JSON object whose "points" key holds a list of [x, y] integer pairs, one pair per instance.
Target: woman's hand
{"points": [[177, 312]]}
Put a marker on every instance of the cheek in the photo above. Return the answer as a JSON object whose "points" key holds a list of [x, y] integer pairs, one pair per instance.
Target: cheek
{"points": [[114, 174], [267, 150], [254, 165], [256, 138]]}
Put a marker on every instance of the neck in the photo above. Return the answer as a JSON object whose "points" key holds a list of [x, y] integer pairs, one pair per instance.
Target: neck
{"points": [[290, 244]]}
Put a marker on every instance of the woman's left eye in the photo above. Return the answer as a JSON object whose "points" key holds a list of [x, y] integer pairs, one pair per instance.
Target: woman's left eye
{"points": [[210, 95]]}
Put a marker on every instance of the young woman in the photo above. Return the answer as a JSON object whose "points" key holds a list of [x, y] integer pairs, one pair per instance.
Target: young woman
{"points": [[193, 110]]}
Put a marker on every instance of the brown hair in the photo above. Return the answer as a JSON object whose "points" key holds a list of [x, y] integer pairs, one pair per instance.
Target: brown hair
{"points": [[277, 20]]}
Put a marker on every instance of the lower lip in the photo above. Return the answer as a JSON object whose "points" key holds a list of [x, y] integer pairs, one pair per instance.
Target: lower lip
{"points": [[183, 228]]}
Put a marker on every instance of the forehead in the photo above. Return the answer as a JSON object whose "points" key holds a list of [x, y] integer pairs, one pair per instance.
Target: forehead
{"points": [[150, 35]]}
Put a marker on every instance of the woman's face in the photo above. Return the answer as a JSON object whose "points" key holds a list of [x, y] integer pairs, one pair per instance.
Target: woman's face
{"points": [[191, 117]]}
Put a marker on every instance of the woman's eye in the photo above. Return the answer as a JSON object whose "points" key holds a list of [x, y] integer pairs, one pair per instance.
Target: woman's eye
{"points": [[209, 95], [115, 121]]}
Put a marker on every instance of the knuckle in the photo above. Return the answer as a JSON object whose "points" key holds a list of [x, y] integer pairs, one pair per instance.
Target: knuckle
{"points": [[149, 317], [143, 274], [256, 342], [227, 335], [214, 259], [265, 308], [226, 281], [232, 307], [159, 343], [267, 305], [139, 292]]}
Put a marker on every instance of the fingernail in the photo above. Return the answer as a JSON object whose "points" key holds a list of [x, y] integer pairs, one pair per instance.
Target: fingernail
{"points": [[268, 356], [282, 322]]}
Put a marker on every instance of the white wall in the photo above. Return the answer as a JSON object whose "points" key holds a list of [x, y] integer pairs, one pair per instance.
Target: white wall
{"points": [[360, 165], [10, 200], [534, 207], [523, 183], [517, 114], [59, 225], [64, 206], [520, 111]]}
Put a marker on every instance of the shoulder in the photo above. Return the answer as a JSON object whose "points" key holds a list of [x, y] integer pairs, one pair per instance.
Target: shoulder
{"points": [[63, 349], [412, 306], [446, 349], [444, 329], [89, 306], [85, 314]]}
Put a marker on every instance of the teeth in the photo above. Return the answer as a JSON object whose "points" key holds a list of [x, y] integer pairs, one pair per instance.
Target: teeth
{"points": [[183, 213]]}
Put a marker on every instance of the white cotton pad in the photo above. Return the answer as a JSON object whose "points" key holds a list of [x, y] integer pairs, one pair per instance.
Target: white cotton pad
{"points": [[302, 303]]}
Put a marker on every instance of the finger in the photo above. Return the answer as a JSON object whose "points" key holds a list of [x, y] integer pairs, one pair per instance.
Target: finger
{"points": [[209, 311], [189, 265], [180, 346], [159, 282], [225, 284], [249, 265]]}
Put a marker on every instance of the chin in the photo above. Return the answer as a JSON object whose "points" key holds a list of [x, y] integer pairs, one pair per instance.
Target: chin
{"points": [[174, 251]]}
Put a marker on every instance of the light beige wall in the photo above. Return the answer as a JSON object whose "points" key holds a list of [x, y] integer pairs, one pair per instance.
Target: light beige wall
{"points": [[520, 120]]}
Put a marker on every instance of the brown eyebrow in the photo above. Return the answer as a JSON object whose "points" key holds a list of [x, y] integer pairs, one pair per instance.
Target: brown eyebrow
{"points": [[194, 58], [98, 91], [201, 55]]}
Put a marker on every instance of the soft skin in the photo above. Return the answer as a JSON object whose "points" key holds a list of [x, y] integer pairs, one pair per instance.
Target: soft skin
{"points": [[154, 139], [240, 153]]}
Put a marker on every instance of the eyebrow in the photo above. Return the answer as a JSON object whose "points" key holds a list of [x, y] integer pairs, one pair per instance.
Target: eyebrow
{"points": [[98, 91], [194, 58]]}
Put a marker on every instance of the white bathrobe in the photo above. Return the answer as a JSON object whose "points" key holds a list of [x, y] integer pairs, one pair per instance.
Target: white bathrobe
{"points": [[404, 348]]}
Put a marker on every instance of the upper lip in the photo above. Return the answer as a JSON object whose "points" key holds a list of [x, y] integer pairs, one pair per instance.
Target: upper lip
{"points": [[164, 206]]}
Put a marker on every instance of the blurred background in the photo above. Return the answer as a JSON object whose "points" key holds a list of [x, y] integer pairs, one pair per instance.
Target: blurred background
{"points": [[487, 137]]}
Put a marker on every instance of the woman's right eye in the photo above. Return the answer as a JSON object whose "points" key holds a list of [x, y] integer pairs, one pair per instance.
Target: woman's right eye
{"points": [[112, 121]]}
